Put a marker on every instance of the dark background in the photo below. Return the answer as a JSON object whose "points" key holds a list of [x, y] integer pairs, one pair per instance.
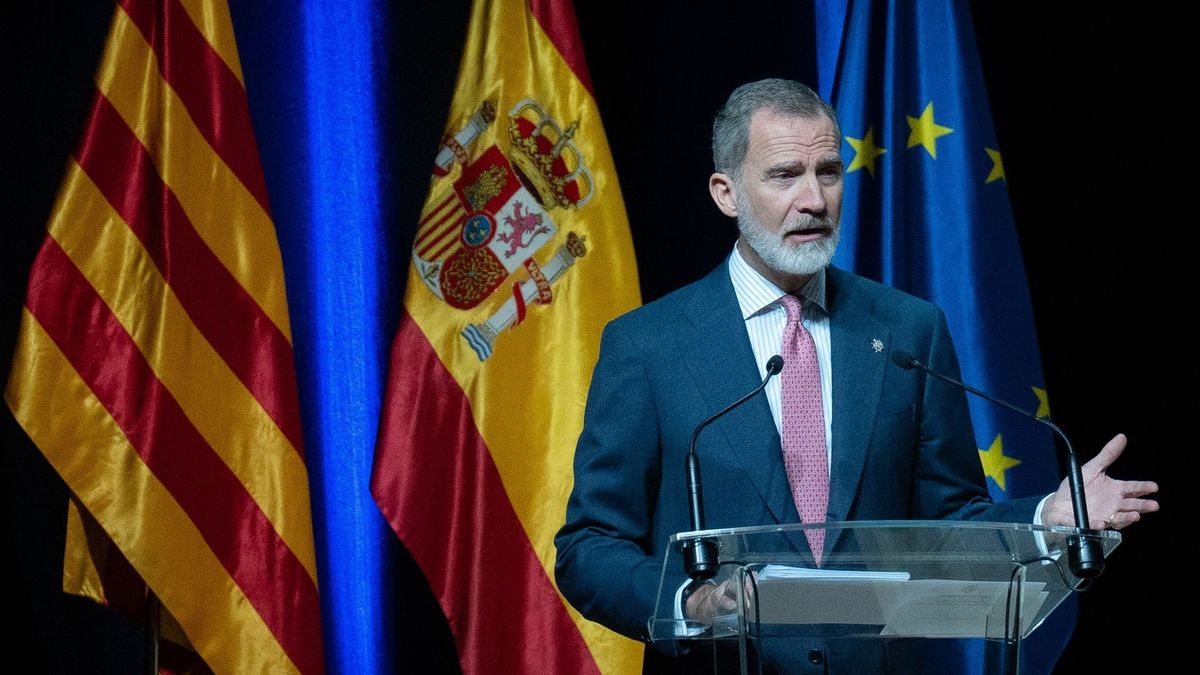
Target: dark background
{"points": [[1090, 114]]}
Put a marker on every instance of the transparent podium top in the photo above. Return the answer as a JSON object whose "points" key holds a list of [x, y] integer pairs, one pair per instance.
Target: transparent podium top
{"points": [[878, 579]]}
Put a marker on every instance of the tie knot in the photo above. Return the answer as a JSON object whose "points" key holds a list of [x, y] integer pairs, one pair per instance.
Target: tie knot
{"points": [[792, 305]]}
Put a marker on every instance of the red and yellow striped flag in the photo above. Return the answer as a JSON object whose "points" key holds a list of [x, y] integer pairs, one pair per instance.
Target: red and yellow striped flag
{"points": [[522, 254], [154, 365]]}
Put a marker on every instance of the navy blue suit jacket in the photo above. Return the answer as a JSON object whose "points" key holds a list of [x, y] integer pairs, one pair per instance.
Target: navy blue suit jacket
{"points": [[902, 443]]}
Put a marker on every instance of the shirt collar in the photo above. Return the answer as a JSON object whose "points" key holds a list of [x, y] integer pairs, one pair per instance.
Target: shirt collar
{"points": [[756, 294]]}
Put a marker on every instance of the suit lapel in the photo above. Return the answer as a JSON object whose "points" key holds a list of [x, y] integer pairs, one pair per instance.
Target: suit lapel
{"points": [[717, 335], [857, 385]]}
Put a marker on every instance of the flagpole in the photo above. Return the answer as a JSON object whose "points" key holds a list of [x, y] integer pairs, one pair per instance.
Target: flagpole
{"points": [[150, 648]]}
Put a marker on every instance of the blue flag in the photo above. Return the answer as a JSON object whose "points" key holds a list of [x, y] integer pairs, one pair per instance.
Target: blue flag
{"points": [[927, 211]]}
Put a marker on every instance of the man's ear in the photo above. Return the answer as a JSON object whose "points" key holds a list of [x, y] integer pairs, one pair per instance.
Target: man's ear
{"points": [[721, 188]]}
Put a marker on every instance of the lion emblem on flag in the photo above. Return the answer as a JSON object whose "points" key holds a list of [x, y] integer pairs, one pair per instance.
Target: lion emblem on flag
{"points": [[486, 225]]}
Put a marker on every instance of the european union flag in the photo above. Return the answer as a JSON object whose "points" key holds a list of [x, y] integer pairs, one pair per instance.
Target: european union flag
{"points": [[926, 211]]}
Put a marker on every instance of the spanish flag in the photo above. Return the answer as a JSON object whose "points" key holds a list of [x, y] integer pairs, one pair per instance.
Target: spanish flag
{"points": [[154, 365], [521, 256]]}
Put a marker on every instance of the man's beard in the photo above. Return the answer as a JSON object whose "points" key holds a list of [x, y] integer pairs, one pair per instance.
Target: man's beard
{"points": [[802, 259]]}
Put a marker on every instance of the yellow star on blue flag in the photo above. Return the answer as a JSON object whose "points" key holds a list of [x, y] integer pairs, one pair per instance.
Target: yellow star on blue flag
{"points": [[1043, 409], [923, 131], [995, 462], [997, 172], [865, 152]]}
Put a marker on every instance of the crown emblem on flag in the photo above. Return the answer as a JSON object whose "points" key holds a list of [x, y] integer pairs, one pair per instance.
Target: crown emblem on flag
{"points": [[490, 211], [546, 158]]}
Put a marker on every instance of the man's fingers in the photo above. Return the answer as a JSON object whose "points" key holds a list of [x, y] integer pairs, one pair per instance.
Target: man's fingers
{"points": [[1138, 488], [1139, 505], [1107, 455], [728, 603], [710, 601]]}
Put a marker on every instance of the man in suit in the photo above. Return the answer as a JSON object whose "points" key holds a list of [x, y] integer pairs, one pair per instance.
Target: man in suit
{"points": [[885, 443]]}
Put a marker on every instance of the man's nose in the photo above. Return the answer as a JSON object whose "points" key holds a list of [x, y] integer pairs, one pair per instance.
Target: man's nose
{"points": [[809, 198]]}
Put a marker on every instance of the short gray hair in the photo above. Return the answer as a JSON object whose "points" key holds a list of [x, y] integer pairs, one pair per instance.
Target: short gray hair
{"points": [[731, 128]]}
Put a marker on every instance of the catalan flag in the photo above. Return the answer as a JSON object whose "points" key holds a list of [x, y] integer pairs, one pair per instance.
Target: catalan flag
{"points": [[154, 366], [926, 210], [521, 256]]}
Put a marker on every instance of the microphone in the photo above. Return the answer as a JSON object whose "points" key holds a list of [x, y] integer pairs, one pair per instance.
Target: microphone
{"points": [[699, 554], [1086, 555]]}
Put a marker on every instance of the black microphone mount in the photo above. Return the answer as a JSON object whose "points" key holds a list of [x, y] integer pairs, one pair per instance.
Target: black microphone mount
{"points": [[700, 558], [1085, 554]]}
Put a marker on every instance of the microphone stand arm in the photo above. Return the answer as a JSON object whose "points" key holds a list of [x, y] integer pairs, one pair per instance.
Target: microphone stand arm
{"points": [[1086, 555]]}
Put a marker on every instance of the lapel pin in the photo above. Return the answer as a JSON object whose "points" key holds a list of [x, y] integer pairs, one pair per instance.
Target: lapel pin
{"points": [[877, 345]]}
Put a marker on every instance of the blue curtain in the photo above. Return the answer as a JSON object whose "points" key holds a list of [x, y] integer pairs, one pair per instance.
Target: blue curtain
{"points": [[317, 76]]}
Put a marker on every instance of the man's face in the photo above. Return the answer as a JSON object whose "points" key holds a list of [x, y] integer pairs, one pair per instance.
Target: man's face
{"points": [[789, 195]]}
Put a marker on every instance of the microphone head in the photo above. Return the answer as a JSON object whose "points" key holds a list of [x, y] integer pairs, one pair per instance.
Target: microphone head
{"points": [[774, 365], [904, 359]]}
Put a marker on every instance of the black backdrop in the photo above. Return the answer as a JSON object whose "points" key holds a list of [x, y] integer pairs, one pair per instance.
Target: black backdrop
{"points": [[1090, 114]]}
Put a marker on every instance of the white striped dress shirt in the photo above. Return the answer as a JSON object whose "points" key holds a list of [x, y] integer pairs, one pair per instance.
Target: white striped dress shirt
{"points": [[765, 320]]}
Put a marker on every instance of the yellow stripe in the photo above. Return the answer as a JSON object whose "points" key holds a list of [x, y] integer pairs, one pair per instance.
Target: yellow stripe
{"points": [[224, 213], [89, 546], [528, 398], [226, 414], [80, 576], [102, 468], [213, 21]]}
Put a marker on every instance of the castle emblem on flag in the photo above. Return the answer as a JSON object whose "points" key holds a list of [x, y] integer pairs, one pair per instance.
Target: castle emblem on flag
{"points": [[489, 212]]}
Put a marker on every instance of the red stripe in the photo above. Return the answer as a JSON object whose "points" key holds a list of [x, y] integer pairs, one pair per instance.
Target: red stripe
{"points": [[245, 337], [445, 232], [124, 588], [520, 299], [437, 209], [439, 228], [557, 18], [438, 254], [431, 236], [231, 522], [448, 216], [210, 91], [436, 482]]}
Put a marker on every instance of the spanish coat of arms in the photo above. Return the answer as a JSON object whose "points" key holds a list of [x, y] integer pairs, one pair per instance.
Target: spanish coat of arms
{"points": [[495, 216]]}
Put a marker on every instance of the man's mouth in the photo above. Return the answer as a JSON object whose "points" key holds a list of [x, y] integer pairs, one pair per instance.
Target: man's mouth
{"points": [[808, 233]]}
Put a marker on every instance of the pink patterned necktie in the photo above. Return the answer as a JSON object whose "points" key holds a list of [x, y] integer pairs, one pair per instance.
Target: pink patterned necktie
{"points": [[804, 454]]}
